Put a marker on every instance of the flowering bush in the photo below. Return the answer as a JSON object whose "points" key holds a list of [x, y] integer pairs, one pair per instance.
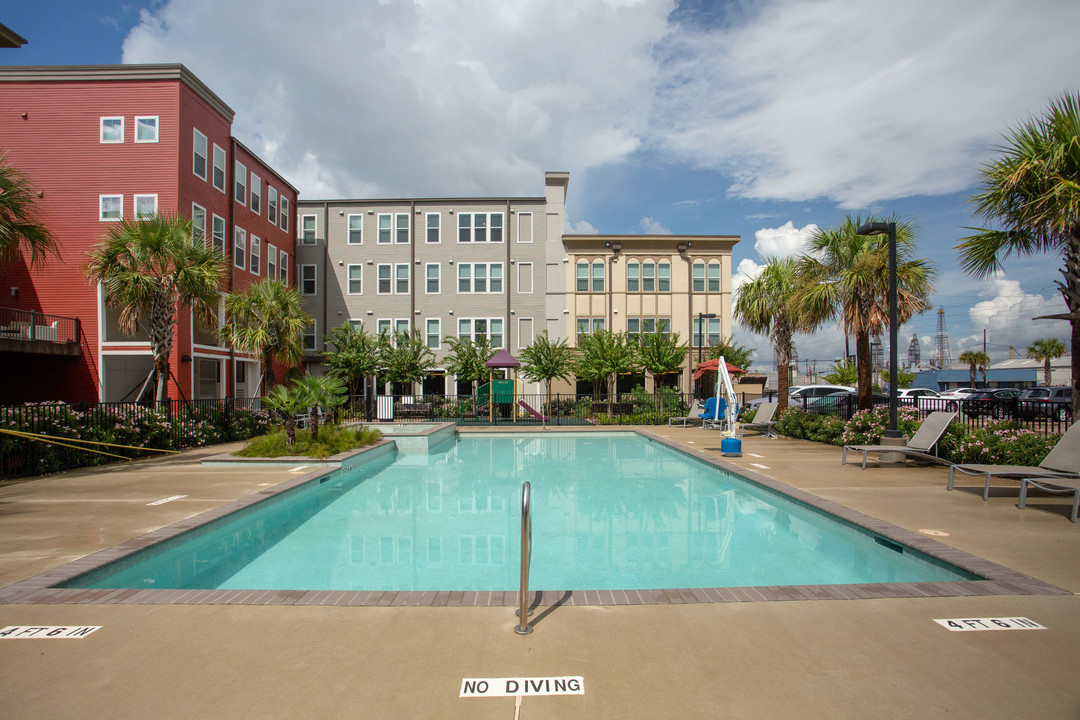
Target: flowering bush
{"points": [[1000, 443], [867, 427]]}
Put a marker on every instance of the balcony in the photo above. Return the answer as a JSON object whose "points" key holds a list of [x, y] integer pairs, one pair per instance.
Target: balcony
{"points": [[27, 331]]}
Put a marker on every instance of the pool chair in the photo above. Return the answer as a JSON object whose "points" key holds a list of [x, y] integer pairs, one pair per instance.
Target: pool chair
{"points": [[920, 444], [1062, 462], [763, 419], [710, 418], [1058, 486], [696, 409]]}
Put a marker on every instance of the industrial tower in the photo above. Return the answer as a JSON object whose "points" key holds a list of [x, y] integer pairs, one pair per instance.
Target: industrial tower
{"points": [[942, 356], [913, 355]]}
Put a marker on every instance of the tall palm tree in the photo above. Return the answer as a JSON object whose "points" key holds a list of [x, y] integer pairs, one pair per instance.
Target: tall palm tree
{"points": [[1032, 192], [848, 274], [266, 319], [769, 304], [977, 361], [1046, 350], [21, 226], [147, 267]]}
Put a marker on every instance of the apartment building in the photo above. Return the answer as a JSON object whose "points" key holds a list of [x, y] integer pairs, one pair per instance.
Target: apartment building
{"points": [[101, 143]]}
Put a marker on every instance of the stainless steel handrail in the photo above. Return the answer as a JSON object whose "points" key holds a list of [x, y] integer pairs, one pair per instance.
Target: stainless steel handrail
{"points": [[523, 627]]}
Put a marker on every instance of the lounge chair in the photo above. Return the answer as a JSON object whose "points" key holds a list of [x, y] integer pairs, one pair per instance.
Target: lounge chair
{"points": [[763, 419], [692, 415], [920, 444], [1059, 486], [1062, 462]]}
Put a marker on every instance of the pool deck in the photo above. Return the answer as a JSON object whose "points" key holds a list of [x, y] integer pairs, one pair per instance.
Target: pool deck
{"points": [[884, 657]]}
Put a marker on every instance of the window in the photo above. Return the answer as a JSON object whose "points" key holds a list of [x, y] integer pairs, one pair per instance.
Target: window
{"points": [[583, 276], [284, 202], [218, 178], [307, 279], [525, 278], [218, 233], [638, 326], [401, 326], [111, 207], [598, 276], [198, 225], [525, 333], [386, 228], [714, 277], [434, 278], [239, 248], [283, 267], [480, 277], [240, 188], [525, 227], [434, 228], [309, 335], [198, 154], [476, 328], [385, 326], [712, 330], [355, 230], [307, 229], [699, 277], [271, 204], [146, 129], [356, 279], [401, 279], [480, 227], [433, 331], [256, 194], [145, 206], [648, 276], [256, 256], [271, 262], [633, 276], [112, 130], [386, 285], [401, 226], [663, 276], [586, 326]]}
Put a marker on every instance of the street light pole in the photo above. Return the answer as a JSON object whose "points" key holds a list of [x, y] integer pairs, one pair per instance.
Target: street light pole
{"points": [[880, 228], [701, 341]]}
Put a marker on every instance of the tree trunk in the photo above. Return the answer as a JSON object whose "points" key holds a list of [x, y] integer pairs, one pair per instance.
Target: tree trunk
{"points": [[160, 330], [864, 370], [290, 431], [782, 348], [1071, 291]]}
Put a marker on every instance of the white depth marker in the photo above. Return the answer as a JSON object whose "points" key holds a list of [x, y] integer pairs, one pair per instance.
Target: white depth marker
{"points": [[166, 500]]}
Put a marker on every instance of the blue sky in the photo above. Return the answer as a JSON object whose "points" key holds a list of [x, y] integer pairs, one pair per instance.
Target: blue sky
{"points": [[762, 119]]}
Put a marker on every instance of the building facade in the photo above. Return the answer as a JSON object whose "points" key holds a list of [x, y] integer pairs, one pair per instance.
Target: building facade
{"points": [[101, 143]]}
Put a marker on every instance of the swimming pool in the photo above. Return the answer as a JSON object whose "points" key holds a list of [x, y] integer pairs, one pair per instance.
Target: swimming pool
{"points": [[610, 511]]}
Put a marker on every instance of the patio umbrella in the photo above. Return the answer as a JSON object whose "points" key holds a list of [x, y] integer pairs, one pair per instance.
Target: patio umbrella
{"points": [[713, 365], [501, 359]]}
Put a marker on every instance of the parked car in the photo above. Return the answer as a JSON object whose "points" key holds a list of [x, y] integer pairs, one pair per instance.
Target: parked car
{"points": [[923, 398], [1045, 402], [842, 404], [805, 394], [998, 404], [953, 398]]}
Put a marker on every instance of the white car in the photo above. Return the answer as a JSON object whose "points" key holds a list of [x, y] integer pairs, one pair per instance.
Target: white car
{"points": [[953, 398], [805, 394], [922, 398]]}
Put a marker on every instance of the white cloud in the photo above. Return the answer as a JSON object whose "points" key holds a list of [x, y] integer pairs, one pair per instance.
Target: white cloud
{"points": [[784, 241], [582, 227], [1008, 316], [653, 227]]}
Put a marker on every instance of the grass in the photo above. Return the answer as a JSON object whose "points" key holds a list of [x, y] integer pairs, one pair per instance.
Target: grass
{"points": [[332, 440]]}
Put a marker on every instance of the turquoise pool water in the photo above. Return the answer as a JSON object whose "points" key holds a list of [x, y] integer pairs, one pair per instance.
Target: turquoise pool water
{"points": [[610, 511]]}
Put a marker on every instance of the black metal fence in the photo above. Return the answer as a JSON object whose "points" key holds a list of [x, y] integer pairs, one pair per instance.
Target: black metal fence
{"points": [[31, 325]]}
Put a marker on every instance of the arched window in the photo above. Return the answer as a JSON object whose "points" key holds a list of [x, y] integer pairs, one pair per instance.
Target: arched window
{"points": [[663, 276], [633, 276], [598, 276], [583, 276], [699, 276], [714, 276], [648, 276]]}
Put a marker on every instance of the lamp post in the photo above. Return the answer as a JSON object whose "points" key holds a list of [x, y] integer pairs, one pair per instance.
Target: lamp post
{"points": [[881, 228], [701, 318]]}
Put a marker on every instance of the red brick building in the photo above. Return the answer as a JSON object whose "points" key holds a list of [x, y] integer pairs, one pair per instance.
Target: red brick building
{"points": [[104, 142]]}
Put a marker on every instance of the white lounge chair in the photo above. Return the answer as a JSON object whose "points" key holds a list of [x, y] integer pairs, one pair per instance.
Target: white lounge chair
{"points": [[920, 444], [696, 408], [1061, 485], [1062, 462]]}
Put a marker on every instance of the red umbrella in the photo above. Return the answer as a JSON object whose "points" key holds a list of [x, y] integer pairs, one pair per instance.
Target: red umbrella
{"points": [[713, 365]]}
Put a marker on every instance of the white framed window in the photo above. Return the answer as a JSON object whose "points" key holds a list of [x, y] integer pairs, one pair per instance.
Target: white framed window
{"points": [[240, 186], [283, 267], [525, 333], [401, 326], [525, 227], [112, 130], [217, 233], [385, 279], [145, 206], [239, 248], [433, 275], [384, 327], [309, 335], [712, 328], [433, 333], [284, 203], [476, 328], [271, 204], [698, 282], [307, 279], [308, 228], [271, 261], [434, 227], [714, 277], [401, 228], [198, 224], [582, 274], [598, 276], [587, 326], [648, 276], [480, 227], [663, 276], [525, 278], [218, 178], [401, 279], [480, 277], [255, 266], [355, 229], [386, 228], [256, 194], [356, 279], [146, 129], [647, 325], [198, 154], [110, 207], [633, 276]]}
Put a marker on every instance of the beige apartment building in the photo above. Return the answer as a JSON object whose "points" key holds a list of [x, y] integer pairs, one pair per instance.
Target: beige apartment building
{"points": [[501, 267]]}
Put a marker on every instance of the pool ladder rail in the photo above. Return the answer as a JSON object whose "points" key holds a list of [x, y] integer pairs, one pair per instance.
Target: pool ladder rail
{"points": [[523, 627]]}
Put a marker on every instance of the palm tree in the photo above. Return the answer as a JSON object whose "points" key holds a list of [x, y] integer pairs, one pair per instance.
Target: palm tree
{"points": [[977, 360], [1032, 191], [544, 361], [21, 227], [1046, 350], [148, 266], [848, 274], [769, 304], [266, 319], [288, 400], [323, 391]]}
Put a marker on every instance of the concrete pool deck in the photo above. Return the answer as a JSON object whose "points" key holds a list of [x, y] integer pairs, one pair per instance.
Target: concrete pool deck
{"points": [[827, 658]]}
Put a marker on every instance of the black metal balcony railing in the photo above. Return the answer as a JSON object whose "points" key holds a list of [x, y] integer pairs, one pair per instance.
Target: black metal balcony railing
{"points": [[36, 326]]}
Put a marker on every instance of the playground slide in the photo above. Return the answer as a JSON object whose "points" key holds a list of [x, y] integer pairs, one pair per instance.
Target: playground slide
{"points": [[532, 412]]}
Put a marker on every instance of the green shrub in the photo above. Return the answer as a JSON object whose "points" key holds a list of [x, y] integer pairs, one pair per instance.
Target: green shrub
{"points": [[1000, 443], [867, 427], [797, 423], [332, 440]]}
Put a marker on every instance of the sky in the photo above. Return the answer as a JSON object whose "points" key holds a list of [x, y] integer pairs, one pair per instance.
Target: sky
{"points": [[765, 119]]}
